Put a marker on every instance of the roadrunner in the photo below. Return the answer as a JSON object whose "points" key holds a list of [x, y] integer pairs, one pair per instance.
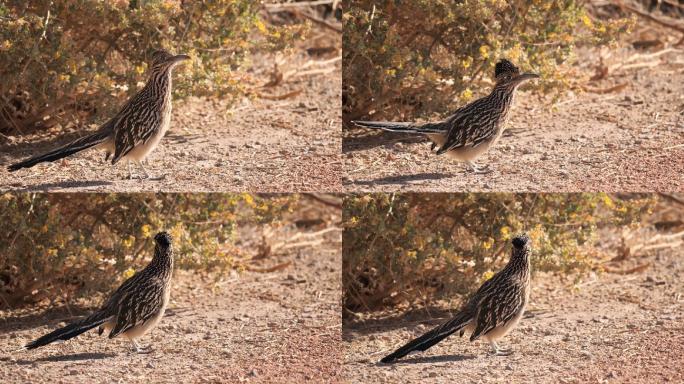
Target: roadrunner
{"points": [[136, 130], [134, 309], [491, 312], [472, 129]]}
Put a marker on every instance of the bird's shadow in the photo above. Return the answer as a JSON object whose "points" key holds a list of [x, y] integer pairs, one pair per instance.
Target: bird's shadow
{"points": [[70, 184], [83, 356], [364, 142], [39, 319], [428, 360], [403, 179]]}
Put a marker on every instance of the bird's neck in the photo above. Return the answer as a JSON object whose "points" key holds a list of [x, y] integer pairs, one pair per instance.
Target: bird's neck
{"points": [[159, 84], [502, 97], [520, 262], [162, 261]]}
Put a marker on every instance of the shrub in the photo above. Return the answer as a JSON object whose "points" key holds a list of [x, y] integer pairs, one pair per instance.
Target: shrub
{"points": [[408, 247], [68, 59], [73, 244], [407, 59]]}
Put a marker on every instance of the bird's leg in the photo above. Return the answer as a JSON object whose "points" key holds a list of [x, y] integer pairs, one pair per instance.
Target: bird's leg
{"points": [[147, 175], [498, 351], [162, 177], [472, 167], [130, 174]]}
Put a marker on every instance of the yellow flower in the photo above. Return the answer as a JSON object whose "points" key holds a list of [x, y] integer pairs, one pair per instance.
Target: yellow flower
{"points": [[249, 199], [586, 20], [487, 275], [467, 94], [128, 242], [505, 232], [467, 62], [260, 26], [128, 273], [608, 201], [146, 230], [484, 51], [488, 244]]}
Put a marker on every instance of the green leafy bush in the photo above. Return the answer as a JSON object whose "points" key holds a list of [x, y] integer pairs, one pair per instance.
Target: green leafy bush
{"points": [[62, 244], [65, 59], [407, 59], [408, 247]]}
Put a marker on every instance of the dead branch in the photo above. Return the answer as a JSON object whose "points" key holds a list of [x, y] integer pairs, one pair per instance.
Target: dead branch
{"points": [[652, 18]]}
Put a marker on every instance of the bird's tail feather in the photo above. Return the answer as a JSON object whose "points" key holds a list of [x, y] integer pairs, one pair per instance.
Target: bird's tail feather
{"points": [[64, 151], [69, 331], [430, 338], [427, 128]]}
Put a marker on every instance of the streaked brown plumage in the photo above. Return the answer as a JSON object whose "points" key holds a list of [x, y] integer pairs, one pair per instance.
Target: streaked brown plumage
{"points": [[473, 128], [491, 312], [137, 129], [134, 308]]}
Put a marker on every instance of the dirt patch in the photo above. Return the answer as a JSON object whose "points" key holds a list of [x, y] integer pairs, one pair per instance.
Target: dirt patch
{"points": [[281, 326], [630, 139], [281, 145], [612, 328]]}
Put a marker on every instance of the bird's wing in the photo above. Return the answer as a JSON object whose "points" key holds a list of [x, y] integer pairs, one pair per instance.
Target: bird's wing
{"points": [[134, 125], [142, 302], [463, 127], [496, 305]]}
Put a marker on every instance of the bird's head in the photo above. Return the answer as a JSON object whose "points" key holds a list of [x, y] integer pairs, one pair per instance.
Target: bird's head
{"points": [[521, 243], [508, 75], [163, 239], [162, 59]]}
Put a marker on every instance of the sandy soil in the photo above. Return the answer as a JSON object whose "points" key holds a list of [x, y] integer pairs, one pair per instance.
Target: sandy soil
{"points": [[627, 140], [612, 328], [281, 326], [257, 144]]}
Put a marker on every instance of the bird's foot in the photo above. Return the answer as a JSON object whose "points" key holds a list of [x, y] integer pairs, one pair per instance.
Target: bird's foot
{"points": [[502, 352], [132, 176], [158, 178], [474, 168], [142, 350]]}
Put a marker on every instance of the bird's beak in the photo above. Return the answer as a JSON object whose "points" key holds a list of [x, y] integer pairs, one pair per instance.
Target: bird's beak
{"points": [[526, 76], [178, 58]]}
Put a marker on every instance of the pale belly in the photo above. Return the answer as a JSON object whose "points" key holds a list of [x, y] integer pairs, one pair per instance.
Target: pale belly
{"points": [[501, 331]]}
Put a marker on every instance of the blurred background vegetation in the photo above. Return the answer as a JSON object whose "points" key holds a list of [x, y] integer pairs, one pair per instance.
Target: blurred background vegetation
{"points": [[423, 247], [410, 59], [68, 61], [56, 246]]}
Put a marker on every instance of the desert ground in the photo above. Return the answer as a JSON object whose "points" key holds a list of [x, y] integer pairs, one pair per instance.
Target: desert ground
{"points": [[621, 131], [278, 321], [620, 326], [283, 137]]}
